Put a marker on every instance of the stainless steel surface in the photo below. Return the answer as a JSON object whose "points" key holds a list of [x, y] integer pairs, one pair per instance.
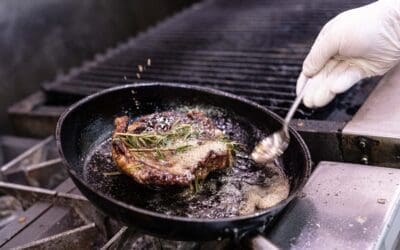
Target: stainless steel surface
{"points": [[344, 206], [373, 135], [379, 116], [275, 144]]}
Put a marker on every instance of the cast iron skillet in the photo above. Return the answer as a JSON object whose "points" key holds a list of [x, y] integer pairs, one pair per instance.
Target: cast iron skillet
{"points": [[90, 120]]}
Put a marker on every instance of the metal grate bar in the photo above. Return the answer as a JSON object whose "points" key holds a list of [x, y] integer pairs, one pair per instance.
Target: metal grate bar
{"points": [[189, 75], [274, 71]]}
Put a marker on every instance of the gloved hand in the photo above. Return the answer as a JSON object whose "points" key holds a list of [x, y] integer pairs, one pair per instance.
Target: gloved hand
{"points": [[356, 44]]}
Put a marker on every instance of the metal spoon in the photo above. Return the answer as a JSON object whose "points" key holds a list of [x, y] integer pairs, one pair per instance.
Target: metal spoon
{"points": [[275, 144]]}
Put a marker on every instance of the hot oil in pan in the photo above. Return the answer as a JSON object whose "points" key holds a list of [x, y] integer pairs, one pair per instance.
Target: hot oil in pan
{"points": [[242, 189]]}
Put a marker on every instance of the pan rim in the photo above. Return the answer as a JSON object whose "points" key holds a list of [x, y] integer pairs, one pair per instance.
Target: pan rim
{"points": [[146, 212]]}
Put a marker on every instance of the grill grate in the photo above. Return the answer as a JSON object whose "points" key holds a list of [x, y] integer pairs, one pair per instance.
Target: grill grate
{"points": [[251, 48]]}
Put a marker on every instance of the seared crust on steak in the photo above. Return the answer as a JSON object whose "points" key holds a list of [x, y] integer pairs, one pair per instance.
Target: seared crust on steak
{"points": [[192, 147]]}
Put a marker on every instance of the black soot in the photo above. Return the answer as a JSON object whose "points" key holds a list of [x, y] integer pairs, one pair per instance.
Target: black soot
{"points": [[242, 189]]}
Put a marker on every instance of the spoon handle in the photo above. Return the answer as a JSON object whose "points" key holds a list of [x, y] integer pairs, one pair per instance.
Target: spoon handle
{"points": [[294, 107]]}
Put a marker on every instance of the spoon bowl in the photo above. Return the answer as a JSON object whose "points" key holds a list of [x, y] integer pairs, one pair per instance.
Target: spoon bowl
{"points": [[275, 144]]}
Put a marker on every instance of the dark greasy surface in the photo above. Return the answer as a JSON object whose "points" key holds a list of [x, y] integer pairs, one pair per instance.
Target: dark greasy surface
{"points": [[222, 192], [252, 48]]}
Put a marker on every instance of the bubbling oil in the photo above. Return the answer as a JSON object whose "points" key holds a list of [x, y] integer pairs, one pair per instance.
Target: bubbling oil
{"points": [[240, 190]]}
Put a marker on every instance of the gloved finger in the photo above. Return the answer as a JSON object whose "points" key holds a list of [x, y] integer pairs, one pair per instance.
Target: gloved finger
{"points": [[312, 85], [323, 95], [300, 82], [338, 80], [325, 47], [345, 77], [317, 85]]}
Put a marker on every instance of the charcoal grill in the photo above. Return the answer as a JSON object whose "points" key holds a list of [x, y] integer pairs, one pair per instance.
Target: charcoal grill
{"points": [[253, 49], [250, 48]]}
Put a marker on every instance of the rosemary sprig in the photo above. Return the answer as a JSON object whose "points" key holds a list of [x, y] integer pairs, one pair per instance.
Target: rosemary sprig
{"points": [[158, 143], [155, 140], [196, 184], [106, 174], [135, 166], [159, 155], [182, 149], [179, 149], [231, 145]]}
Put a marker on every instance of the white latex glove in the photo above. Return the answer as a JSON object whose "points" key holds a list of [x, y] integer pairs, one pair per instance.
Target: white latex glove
{"points": [[356, 44]]}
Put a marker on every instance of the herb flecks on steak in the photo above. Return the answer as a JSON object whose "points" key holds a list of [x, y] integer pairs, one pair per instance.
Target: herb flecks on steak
{"points": [[170, 148]]}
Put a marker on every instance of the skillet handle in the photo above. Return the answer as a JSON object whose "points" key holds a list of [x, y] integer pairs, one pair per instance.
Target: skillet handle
{"points": [[259, 242]]}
